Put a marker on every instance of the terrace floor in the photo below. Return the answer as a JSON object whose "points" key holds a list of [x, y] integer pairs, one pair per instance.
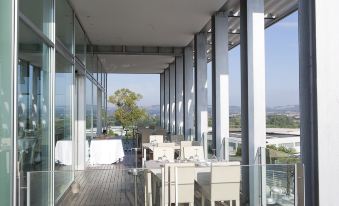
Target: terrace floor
{"points": [[105, 185]]}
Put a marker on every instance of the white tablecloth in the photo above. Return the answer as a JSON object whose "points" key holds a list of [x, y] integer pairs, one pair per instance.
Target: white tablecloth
{"points": [[63, 152], [106, 151]]}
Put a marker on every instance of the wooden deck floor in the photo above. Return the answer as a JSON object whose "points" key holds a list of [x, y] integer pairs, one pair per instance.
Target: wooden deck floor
{"points": [[105, 185]]}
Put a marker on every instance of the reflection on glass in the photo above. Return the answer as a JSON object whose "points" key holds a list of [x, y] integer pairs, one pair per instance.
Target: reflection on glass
{"points": [[39, 12], [64, 23], [33, 140], [89, 113], [63, 124], [90, 62], [80, 42], [5, 102]]}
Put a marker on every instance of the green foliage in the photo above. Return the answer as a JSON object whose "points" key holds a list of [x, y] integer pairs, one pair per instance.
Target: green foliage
{"points": [[235, 122], [281, 121], [127, 113], [238, 152]]}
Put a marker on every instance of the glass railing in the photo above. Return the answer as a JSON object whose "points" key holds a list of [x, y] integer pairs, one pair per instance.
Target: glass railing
{"points": [[163, 183]]}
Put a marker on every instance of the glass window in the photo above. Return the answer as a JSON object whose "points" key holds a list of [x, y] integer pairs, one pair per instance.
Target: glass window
{"points": [[63, 123], [6, 102], [89, 61], [33, 140], [95, 109], [64, 23], [89, 107], [80, 42], [40, 12]]}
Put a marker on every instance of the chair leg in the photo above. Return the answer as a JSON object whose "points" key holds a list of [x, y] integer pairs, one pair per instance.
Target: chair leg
{"points": [[212, 203]]}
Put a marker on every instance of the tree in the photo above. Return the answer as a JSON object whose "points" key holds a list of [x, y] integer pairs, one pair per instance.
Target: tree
{"points": [[128, 114]]}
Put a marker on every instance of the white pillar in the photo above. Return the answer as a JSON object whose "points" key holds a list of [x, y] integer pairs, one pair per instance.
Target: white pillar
{"points": [[201, 113], [220, 84], [253, 90], [188, 94], [167, 102], [162, 100], [319, 99], [172, 98], [179, 94]]}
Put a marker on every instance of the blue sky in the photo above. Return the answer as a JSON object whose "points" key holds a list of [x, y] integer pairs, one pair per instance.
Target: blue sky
{"points": [[281, 70]]}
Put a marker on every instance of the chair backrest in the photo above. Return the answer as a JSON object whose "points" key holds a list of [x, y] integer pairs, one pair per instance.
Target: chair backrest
{"points": [[192, 151], [225, 180], [177, 138], [156, 138], [170, 144], [195, 143], [182, 185], [159, 152]]}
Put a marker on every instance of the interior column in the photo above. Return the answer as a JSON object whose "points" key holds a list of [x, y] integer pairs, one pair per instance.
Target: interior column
{"points": [[172, 98], [319, 95], [162, 100], [220, 85], [253, 104], [201, 113], [179, 94], [167, 102], [188, 94]]}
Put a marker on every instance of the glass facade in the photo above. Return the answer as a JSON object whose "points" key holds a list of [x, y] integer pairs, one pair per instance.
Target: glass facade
{"points": [[64, 24], [34, 141], [46, 104], [6, 102]]}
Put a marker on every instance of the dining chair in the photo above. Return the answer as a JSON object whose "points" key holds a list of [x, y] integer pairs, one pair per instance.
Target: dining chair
{"points": [[161, 152], [222, 184], [179, 183], [156, 138], [195, 152]]}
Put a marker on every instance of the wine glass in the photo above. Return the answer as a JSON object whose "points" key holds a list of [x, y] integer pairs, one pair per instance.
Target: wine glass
{"points": [[214, 156], [196, 157], [164, 157]]}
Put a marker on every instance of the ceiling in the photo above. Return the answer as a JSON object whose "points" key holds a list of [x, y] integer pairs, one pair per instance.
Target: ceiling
{"points": [[158, 23]]}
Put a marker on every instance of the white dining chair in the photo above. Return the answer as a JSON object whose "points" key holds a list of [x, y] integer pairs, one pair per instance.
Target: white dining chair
{"points": [[156, 138], [195, 152], [222, 184], [179, 183], [161, 152]]}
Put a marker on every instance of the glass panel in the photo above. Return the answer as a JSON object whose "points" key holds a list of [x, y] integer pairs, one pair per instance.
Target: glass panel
{"points": [[39, 12], [95, 109], [64, 23], [80, 42], [33, 140], [63, 124], [89, 112], [89, 62], [5, 102]]}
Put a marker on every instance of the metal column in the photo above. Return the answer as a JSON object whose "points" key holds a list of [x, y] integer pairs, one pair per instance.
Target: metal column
{"points": [[253, 92], [201, 113], [179, 95], [319, 95], [189, 106], [220, 84]]}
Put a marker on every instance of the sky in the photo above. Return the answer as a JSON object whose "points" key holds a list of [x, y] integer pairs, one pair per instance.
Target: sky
{"points": [[282, 76]]}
